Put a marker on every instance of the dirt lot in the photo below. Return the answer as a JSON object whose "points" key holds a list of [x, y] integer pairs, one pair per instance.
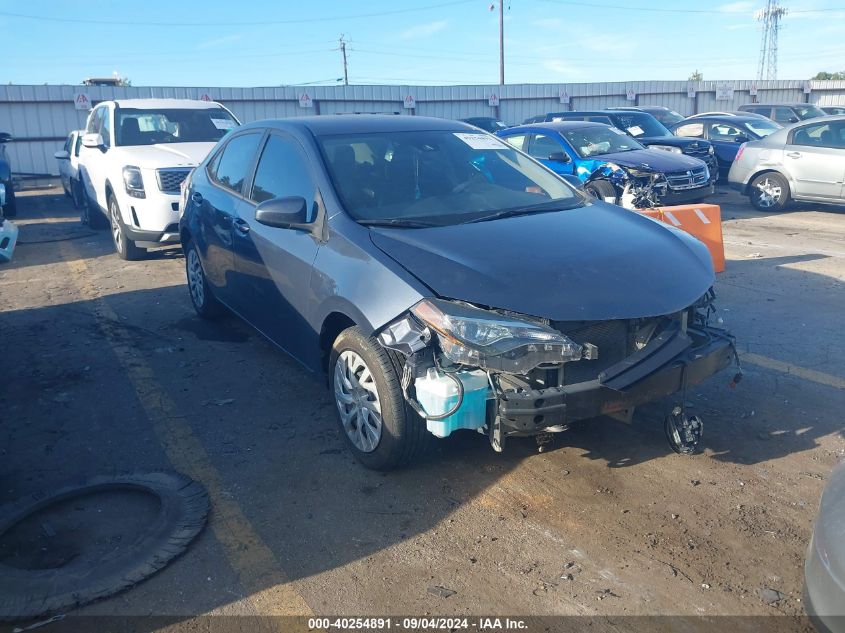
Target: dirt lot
{"points": [[107, 369]]}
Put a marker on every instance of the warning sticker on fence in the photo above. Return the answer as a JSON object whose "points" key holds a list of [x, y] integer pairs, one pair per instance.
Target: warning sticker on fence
{"points": [[480, 141], [224, 124]]}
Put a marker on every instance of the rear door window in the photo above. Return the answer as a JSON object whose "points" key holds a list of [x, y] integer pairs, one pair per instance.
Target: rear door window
{"points": [[232, 166], [830, 135], [784, 115], [724, 132]]}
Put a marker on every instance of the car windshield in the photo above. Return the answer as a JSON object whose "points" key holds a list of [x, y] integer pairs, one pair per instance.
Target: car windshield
{"points": [[762, 128], [438, 177], [171, 125], [640, 124], [598, 140], [809, 112]]}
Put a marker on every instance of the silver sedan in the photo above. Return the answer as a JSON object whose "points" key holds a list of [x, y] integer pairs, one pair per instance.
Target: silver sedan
{"points": [[824, 571], [804, 161]]}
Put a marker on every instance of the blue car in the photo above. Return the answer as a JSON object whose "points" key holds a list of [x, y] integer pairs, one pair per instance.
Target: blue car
{"points": [[726, 132], [606, 159], [438, 279]]}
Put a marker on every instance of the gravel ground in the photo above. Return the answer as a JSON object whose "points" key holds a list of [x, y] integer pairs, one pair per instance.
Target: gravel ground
{"points": [[107, 369]]}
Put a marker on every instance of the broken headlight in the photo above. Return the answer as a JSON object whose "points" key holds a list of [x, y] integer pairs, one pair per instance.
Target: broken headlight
{"points": [[494, 341]]}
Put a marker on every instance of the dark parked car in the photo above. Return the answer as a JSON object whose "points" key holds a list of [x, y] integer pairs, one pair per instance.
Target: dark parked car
{"points": [[646, 129], [784, 113], [486, 123], [665, 115], [726, 133], [586, 149], [11, 208], [834, 110], [443, 280]]}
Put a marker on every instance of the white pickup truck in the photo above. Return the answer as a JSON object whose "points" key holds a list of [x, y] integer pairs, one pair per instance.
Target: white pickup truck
{"points": [[135, 155]]}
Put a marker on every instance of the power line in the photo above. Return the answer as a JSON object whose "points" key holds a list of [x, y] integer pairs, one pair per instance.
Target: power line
{"points": [[597, 5], [179, 23]]}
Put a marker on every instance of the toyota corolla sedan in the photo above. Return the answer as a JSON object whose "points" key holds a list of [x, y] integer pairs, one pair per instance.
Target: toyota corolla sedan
{"points": [[441, 279]]}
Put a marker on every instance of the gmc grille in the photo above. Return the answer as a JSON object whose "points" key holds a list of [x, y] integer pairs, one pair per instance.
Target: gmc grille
{"points": [[680, 180], [169, 180]]}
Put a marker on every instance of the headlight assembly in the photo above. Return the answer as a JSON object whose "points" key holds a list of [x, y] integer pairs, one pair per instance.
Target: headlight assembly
{"points": [[133, 182], [493, 341], [667, 148]]}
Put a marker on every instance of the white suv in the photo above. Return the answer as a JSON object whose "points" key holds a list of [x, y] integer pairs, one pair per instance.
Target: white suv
{"points": [[135, 155]]}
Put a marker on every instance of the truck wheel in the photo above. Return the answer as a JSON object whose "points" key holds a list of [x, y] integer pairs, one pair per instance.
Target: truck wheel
{"points": [[202, 297], [378, 425], [125, 247], [76, 194], [602, 190], [11, 208], [769, 192]]}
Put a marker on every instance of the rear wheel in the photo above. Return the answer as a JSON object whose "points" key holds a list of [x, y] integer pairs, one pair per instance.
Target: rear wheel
{"points": [[376, 422], [125, 247], [601, 190], [769, 192], [202, 297]]}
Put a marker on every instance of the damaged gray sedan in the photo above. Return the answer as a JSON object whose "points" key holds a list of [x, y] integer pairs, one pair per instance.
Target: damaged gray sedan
{"points": [[443, 280]]}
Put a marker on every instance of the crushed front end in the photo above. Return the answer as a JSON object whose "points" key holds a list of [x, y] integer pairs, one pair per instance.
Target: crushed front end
{"points": [[510, 375]]}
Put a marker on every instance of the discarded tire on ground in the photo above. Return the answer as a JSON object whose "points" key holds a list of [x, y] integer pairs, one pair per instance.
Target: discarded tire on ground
{"points": [[32, 584]]}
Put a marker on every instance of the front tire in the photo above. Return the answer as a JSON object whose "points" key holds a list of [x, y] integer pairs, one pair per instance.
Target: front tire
{"points": [[602, 190], [769, 192], [379, 428], [125, 247], [202, 297]]}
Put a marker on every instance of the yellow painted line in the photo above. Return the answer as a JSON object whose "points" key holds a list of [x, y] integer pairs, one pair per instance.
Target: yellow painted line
{"points": [[270, 591], [787, 368]]}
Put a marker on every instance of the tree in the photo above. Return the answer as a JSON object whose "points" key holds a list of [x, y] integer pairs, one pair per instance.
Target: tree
{"points": [[696, 76], [826, 75]]}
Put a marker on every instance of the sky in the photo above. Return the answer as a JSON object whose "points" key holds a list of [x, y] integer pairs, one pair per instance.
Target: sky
{"points": [[272, 42]]}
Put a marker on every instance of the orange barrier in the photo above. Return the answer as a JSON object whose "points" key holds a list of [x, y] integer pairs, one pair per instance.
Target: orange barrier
{"points": [[703, 221]]}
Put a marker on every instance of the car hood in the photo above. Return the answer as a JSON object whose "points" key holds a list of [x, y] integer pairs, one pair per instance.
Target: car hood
{"points": [[596, 262], [654, 159], [166, 154], [675, 141]]}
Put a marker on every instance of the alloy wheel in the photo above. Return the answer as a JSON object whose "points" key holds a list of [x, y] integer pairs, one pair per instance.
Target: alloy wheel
{"points": [[357, 399], [116, 231], [196, 283], [768, 193]]}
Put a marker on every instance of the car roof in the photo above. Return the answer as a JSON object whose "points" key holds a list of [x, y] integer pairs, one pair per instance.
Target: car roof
{"points": [[794, 104], [733, 118], [154, 104], [558, 126], [639, 108], [325, 125]]}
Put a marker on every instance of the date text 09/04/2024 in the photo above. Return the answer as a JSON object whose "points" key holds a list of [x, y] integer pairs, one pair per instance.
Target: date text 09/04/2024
{"points": [[417, 624]]}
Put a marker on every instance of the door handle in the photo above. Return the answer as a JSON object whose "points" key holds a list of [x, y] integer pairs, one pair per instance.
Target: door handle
{"points": [[794, 154], [241, 226], [196, 197]]}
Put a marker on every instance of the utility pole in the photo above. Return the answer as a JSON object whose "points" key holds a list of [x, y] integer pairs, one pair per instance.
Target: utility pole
{"points": [[501, 42], [771, 17], [345, 68]]}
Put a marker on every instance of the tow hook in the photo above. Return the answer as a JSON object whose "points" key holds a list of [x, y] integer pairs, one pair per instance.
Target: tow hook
{"points": [[544, 441], [683, 432]]}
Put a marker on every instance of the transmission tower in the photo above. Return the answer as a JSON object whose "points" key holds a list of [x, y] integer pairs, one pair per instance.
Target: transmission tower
{"points": [[770, 16]]}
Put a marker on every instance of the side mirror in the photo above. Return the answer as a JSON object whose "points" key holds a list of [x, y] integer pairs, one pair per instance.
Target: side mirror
{"points": [[62, 155], [560, 157], [283, 213], [92, 139], [793, 119], [5, 137], [575, 181], [741, 138]]}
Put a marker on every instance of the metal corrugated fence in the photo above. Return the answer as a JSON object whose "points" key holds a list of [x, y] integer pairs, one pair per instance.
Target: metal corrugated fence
{"points": [[39, 117]]}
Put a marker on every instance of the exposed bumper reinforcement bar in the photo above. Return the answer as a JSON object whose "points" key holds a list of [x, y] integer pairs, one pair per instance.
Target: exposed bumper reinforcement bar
{"points": [[658, 374]]}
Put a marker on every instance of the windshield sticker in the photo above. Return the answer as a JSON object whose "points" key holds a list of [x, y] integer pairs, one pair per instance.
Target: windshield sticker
{"points": [[635, 130], [224, 124], [481, 141]]}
